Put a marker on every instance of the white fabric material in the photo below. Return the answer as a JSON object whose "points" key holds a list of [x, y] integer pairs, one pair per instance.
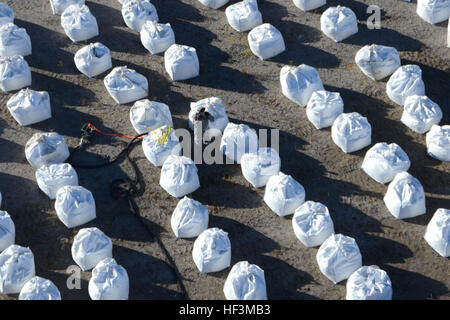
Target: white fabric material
{"points": [[146, 116], [420, 113], [351, 132], [14, 41], [0, 199], [74, 206], [78, 23], [448, 34], [338, 257], [213, 4], [433, 11], [438, 142], [159, 144], [93, 59], [383, 161], [46, 148], [215, 108], [58, 6], [257, 167], [338, 23], [14, 73], [405, 81], [245, 282], [377, 62], [157, 37], [405, 197], [181, 62], [54, 176], [237, 140], [189, 218], [266, 41], [437, 234], [299, 83], [16, 268], [323, 108], [38, 288], [28, 106], [126, 85], [369, 283], [244, 15], [179, 176], [6, 14], [90, 246], [136, 12], [307, 5], [7, 230], [212, 251], [109, 281]]}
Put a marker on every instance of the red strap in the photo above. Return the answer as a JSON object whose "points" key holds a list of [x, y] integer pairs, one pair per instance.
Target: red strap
{"points": [[90, 125]]}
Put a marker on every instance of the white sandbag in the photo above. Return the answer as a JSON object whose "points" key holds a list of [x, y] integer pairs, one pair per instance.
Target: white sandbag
{"points": [[16, 268], [157, 37], [58, 6], [383, 161], [213, 4], [51, 177], [159, 144], [377, 62], [420, 113], [90, 246], [437, 234], [14, 41], [283, 194], [369, 283], [405, 197], [323, 108], [189, 218], [15, 73], [257, 167], [28, 106], [38, 288], [181, 62], [338, 257], [6, 14], [438, 142], [448, 34], [212, 251], [237, 140], [74, 206], [216, 117], [109, 281], [136, 12], [7, 230], [46, 148], [312, 223], [266, 41], [338, 23], [245, 282], [299, 83], [351, 132], [433, 11], [78, 23], [179, 176], [307, 5], [93, 59], [146, 116], [126, 85], [405, 81], [244, 15]]}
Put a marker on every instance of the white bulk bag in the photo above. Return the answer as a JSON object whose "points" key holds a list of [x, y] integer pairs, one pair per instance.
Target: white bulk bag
{"points": [[283, 194], [126, 85], [323, 108], [146, 116], [7, 230], [338, 257], [189, 218], [212, 250], [93, 59], [28, 106], [307, 5], [405, 197], [213, 4], [14, 41], [179, 176], [217, 116], [90, 246], [136, 12], [257, 167], [109, 281], [338, 23], [420, 113], [237, 140], [16, 268], [312, 223], [244, 15], [369, 283], [383, 161], [38, 288], [14, 73], [266, 41], [351, 132], [159, 144], [78, 23], [6, 14], [438, 142], [377, 62], [181, 62], [74, 206], [245, 282], [46, 148], [437, 234], [58, 6], [51, 177], [157, 37], [299, 83], [405, 81], [433, 11]]}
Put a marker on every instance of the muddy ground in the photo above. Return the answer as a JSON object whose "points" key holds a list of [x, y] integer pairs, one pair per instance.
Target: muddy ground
{"points": [[251, 91]]}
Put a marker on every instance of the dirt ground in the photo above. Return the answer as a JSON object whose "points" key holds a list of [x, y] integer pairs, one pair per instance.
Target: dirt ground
{"points": [[251, 92]]}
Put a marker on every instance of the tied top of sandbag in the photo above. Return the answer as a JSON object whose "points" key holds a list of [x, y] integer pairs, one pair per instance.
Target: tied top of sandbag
{"points": [[162, 137], [136, 12], [213, 243], [212, 108], [422, 108], [90, 240], [46, 147], [6, 14], [9, 32], [38, 288], [321, 100], [155, 30], [439, 135], [264, 33], [237, 132], [376, 53], [178, 52], [243, 8], [146, 115], [407, 189], [77, 16], [6, 224], [92, 52], [122, 78], [335, 18], [12, 66], [108, 273], [391, 153], [262, 162], [339, 245], [284, 186], [179, 169], [27, 98], [189, 218], [441, 220], [405, 77], [245, 282], [299, 77], [16, 266], [369, 282], [71, 198], [352, 125], [50, 174], [312, 217]]}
